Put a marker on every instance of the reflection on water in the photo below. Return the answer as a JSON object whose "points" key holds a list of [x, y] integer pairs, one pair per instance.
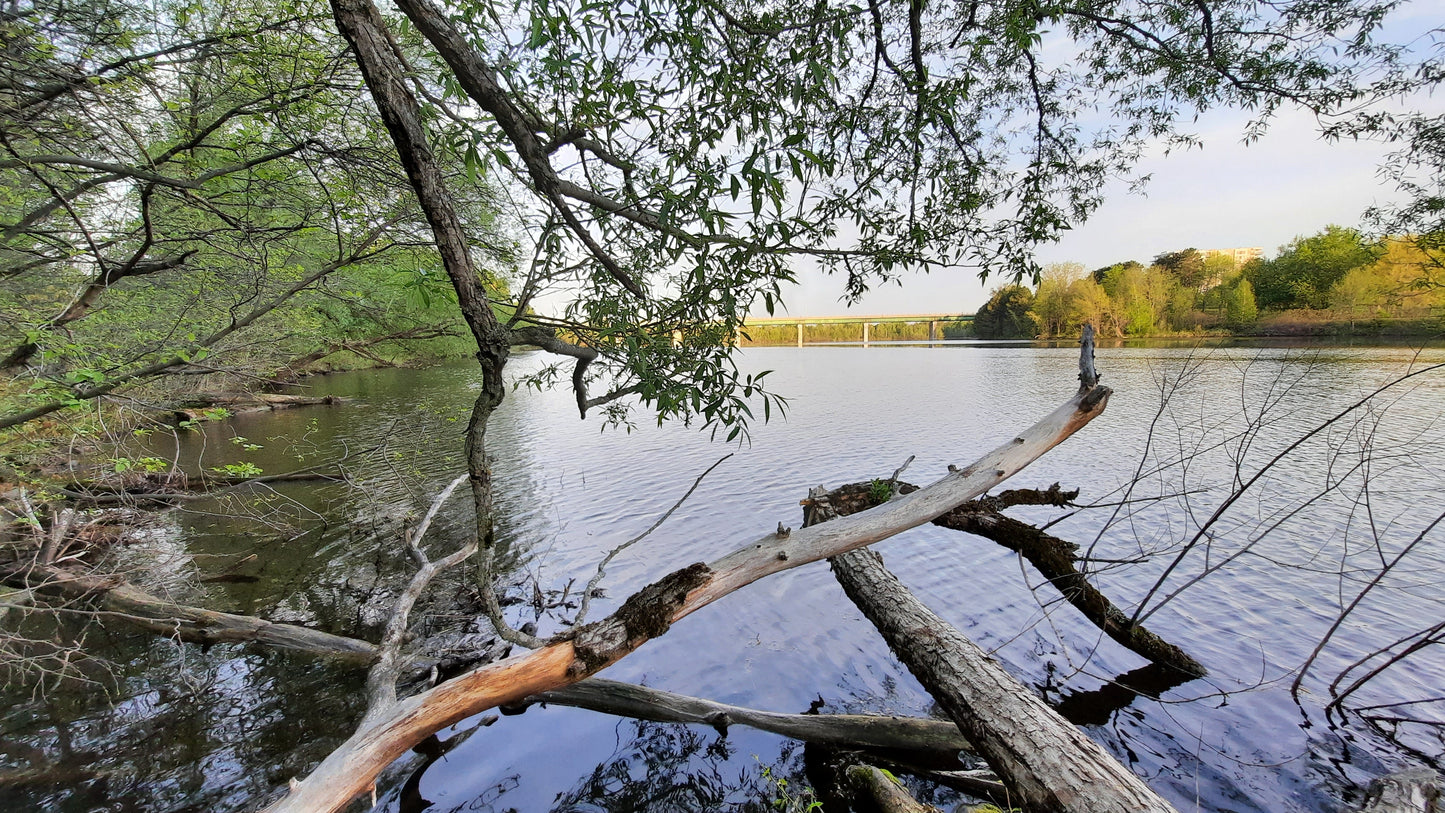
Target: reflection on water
{"points": [[219, 729]]}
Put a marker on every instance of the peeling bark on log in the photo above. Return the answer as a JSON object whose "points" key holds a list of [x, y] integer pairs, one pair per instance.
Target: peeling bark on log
{"points": [[352, 768], [1049, 764], [850, 730], [1416, 791]]}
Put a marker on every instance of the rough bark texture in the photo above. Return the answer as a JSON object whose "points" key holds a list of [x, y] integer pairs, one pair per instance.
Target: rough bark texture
{"points": [[850, 730], [1416, 791], [354, 765], [521, 128], [1048, 762], [882, 793]]}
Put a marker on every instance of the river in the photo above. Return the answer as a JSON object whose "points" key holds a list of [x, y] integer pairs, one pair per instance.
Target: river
{"points": [[219, 728]]}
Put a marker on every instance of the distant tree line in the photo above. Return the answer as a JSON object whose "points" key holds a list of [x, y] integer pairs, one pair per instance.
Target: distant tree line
{"points": [[1337, 273]]}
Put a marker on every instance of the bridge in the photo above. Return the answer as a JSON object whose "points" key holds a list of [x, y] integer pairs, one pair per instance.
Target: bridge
{"points": [[866, 321]]}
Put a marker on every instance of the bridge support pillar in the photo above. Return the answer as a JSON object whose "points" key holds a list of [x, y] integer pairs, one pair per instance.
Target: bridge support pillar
{"points": [[933, 331], [800, 334], [865, 334]]}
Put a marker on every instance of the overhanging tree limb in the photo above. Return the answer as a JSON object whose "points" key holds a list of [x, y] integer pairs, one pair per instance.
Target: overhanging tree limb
{"points": [[647, 614]]}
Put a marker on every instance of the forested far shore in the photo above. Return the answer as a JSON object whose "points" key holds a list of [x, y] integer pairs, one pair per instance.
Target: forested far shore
{"points": [[1336, 282], [213, 601]]}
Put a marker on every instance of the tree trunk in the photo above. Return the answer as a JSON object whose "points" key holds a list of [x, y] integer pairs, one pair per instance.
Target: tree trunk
{"points": [[1416, 791], [881, 792], [647, 614], [1049, 763]]}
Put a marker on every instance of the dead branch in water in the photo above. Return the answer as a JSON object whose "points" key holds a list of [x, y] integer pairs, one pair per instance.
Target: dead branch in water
{"points": [[647, 614]]}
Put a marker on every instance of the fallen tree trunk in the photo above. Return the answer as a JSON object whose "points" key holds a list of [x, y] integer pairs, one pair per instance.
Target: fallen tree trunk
{"points": [[296, 368], [178, 485], [249, 401], [849, 730], [195, 624], [882, 791], [647, 614], [1047, 762]]}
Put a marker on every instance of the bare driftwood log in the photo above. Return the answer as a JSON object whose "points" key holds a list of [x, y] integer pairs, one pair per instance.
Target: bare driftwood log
{"points": [[850, 730], [249, 401], [1416, 791], [1045, 760], [649, 613]]}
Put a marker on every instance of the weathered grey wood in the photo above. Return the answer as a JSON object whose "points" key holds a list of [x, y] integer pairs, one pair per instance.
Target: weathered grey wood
{"points": [[381, 679], [1088, 376], [850, 730], [1049, 764], [352, 767], [1414, 791]]}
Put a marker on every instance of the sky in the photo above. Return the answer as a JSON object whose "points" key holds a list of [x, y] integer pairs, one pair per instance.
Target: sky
{"points": [[1222, 195]]}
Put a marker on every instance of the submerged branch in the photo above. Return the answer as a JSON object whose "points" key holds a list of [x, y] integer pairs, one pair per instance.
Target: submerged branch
{"points": [[1053, 557], [850, 730], [647, 614], [125, 601], [381, 681]]}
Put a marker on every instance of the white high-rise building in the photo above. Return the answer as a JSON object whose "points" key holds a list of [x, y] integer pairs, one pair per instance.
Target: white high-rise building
{"points": [[1240, 255]]}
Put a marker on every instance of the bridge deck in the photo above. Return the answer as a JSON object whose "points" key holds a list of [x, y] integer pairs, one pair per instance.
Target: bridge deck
{"points": [[843, 320]]}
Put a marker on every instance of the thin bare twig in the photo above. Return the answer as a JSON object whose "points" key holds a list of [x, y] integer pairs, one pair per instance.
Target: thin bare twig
{"points": [[602, 566]]}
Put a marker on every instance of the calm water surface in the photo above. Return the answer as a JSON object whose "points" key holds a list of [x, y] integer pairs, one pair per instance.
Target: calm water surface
{"points": [[220, 728]]}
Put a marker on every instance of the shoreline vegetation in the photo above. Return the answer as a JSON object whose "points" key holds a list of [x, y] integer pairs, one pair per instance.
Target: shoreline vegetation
{"points": [[1301, 324], [1336, 283]]}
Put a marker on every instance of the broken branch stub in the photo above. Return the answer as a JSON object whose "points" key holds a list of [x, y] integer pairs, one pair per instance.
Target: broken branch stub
{"points": [[353, 767]]}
